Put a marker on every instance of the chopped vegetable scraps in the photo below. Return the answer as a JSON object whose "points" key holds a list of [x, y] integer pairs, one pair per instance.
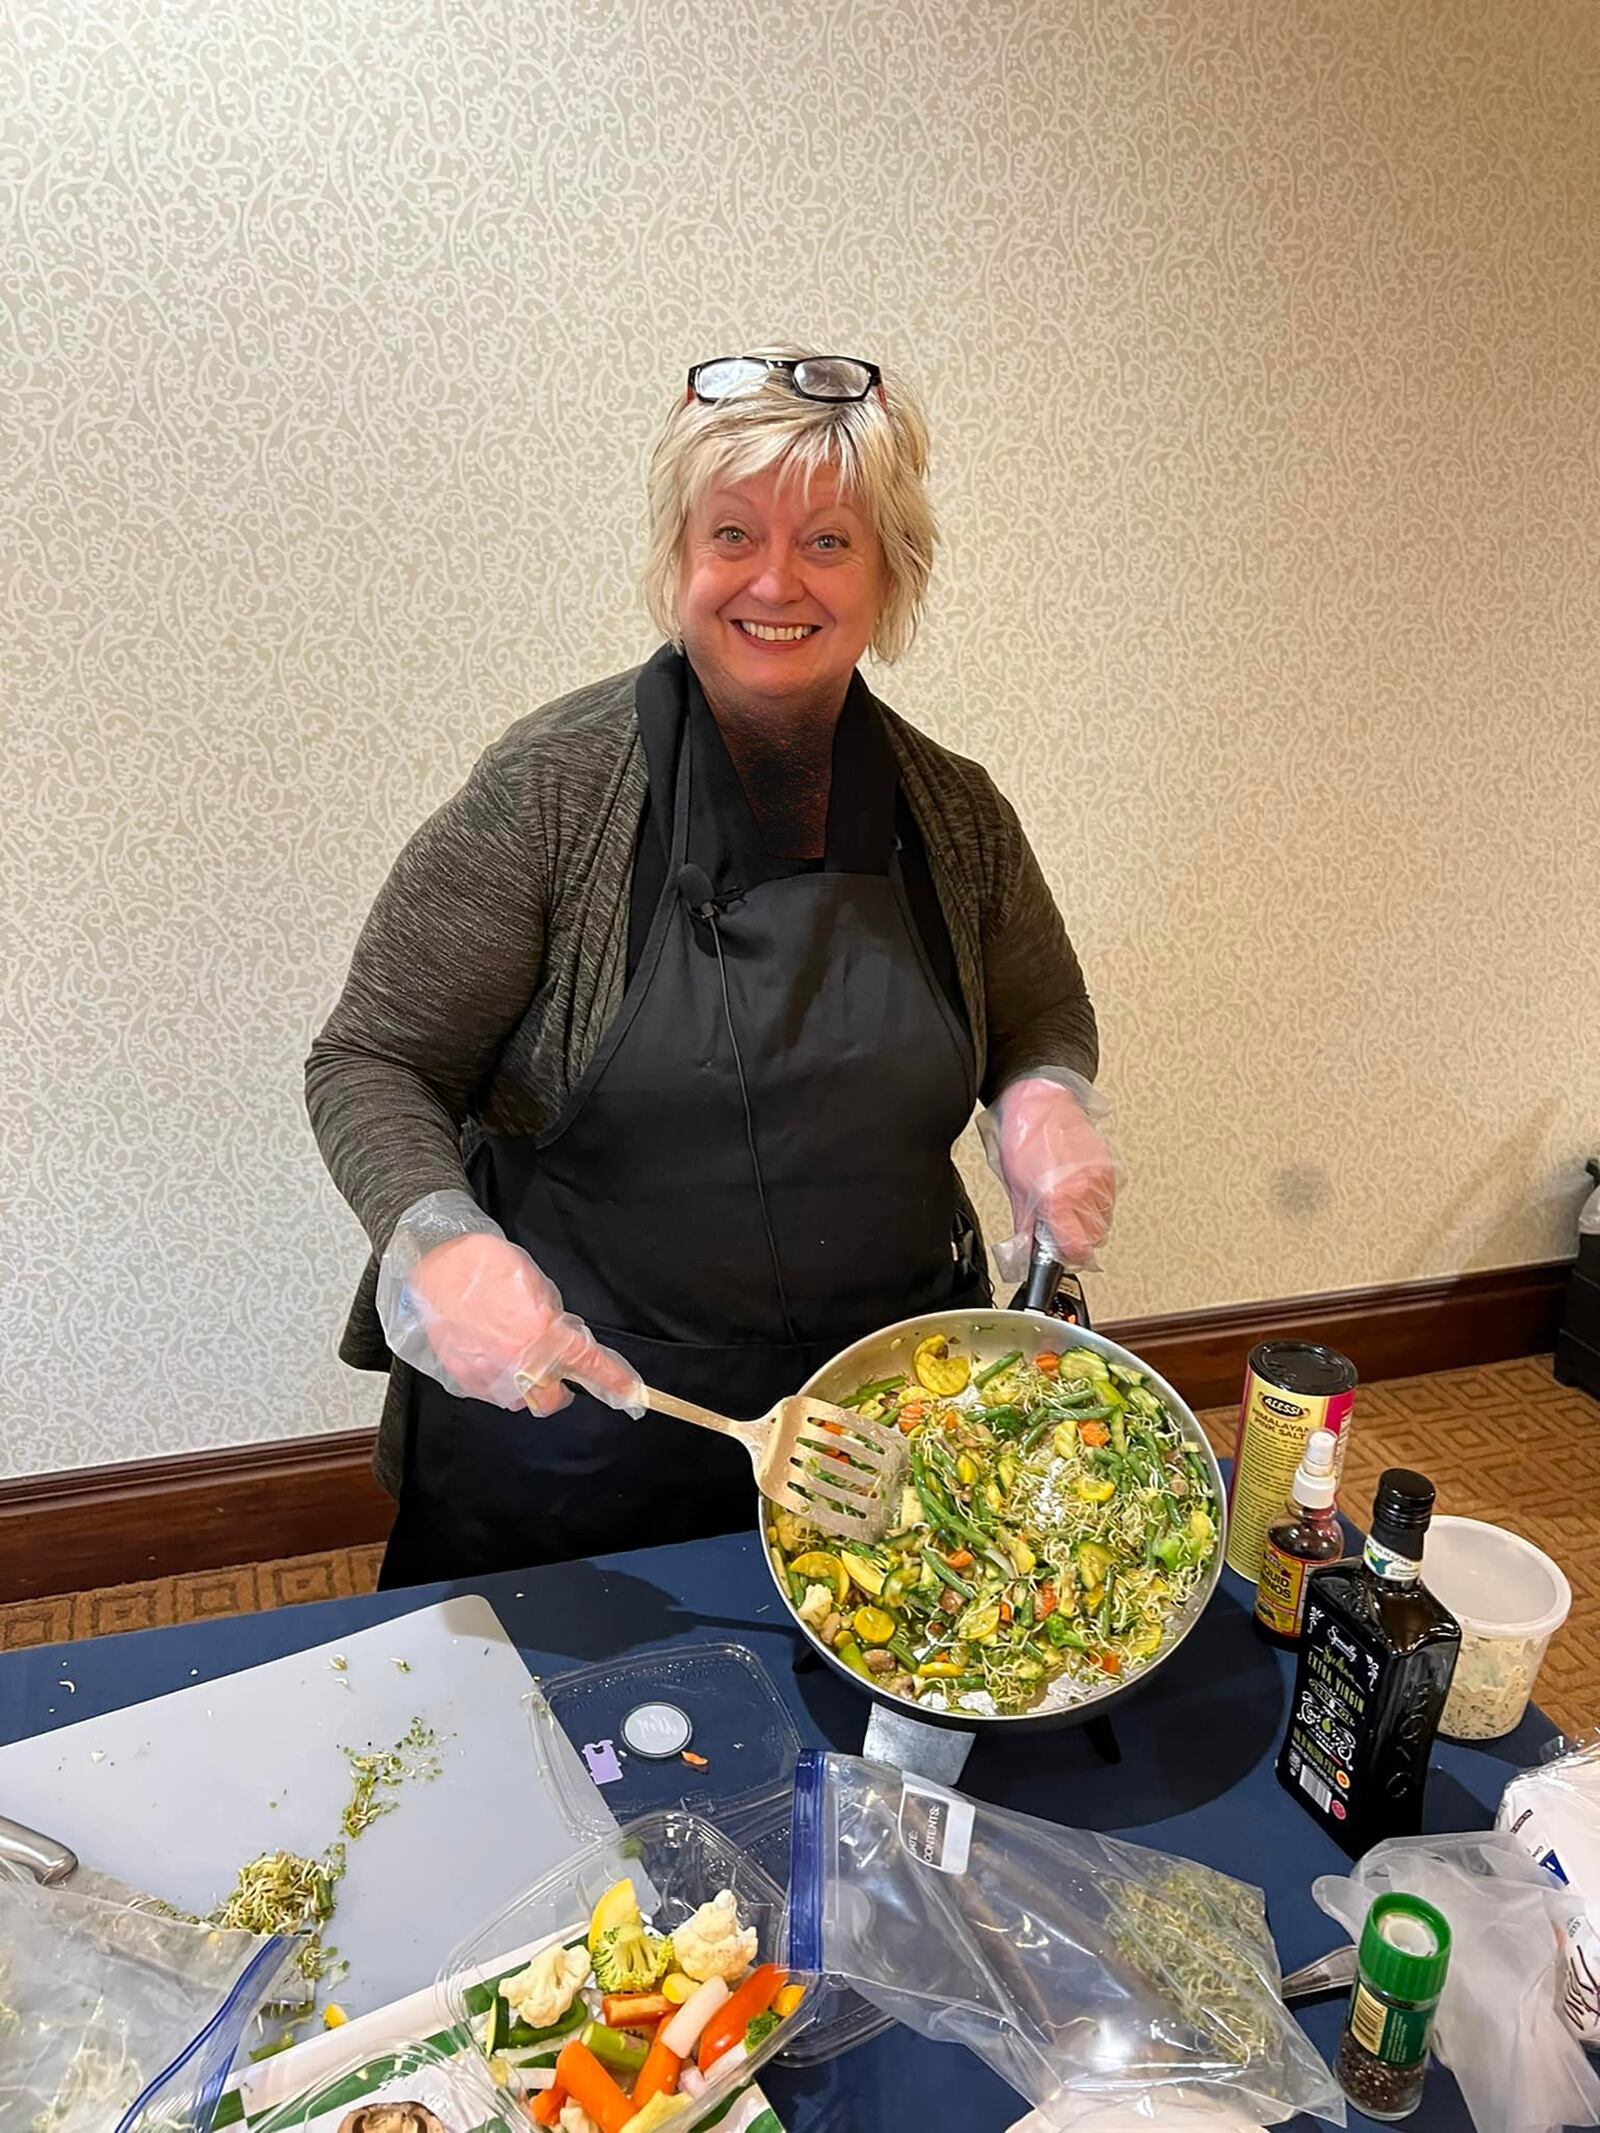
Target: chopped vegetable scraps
{"points": [[379, 1774]]}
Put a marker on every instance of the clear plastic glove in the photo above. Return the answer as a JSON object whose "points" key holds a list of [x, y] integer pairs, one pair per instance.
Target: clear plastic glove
{"points": [[1041, 1135], [1499, 2028], [461, 1303]]}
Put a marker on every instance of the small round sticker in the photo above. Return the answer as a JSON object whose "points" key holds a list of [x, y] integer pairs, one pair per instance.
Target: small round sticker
{"points": [[657, 1730]]}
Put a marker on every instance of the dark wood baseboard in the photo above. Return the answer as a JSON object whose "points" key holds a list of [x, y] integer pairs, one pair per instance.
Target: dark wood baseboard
{"points": [[112, 1525], [1400, 1331], [148, 1518]]}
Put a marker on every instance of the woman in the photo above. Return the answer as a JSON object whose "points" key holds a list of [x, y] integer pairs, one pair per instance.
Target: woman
{"points": [[658, 1037]]}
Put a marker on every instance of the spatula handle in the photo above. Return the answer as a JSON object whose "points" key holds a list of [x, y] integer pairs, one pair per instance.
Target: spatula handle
{"points": [[666, 1403]]}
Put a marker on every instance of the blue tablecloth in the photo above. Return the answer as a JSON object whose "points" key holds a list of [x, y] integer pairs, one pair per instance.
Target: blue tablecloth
{"points": [[1195, 1777]]}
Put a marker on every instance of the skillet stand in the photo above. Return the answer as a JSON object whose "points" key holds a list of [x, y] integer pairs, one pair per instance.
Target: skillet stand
{"points": [[939, 1753]]}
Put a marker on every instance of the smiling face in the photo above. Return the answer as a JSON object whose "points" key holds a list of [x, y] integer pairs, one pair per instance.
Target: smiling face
{"points": [[779, 586]]}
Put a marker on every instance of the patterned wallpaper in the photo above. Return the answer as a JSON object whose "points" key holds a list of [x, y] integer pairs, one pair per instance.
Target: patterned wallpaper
{"points": [[1259, 346]]}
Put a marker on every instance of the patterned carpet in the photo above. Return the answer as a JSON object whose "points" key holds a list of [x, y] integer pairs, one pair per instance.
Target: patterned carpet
{"points": [[1505, 1443]]}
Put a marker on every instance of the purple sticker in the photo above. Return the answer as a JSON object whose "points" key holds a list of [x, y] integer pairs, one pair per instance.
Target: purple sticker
{"points": [[604, 1766]]}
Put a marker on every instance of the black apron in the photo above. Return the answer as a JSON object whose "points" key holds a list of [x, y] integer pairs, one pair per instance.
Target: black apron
{"points": [[727, 1231]]}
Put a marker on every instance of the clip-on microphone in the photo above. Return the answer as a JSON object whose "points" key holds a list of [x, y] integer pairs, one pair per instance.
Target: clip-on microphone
{"points": [[694, 886]]}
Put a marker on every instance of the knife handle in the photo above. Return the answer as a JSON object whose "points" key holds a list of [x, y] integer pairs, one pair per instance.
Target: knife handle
{"points": [[49, 1862]]}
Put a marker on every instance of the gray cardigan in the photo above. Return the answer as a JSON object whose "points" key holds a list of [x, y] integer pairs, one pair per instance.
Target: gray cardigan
{"points": [[494, 959]]}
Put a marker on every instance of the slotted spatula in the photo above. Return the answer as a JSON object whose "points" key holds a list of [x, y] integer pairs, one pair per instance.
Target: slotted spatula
{"points": [[837, 1471]]}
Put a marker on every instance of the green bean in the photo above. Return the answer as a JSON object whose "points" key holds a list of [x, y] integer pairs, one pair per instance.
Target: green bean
{"points": [[940, 1514], [993, 1370], [1039, 1431], [875, 1391], [904, 1654], [1076, 1393], [947, 1576]]}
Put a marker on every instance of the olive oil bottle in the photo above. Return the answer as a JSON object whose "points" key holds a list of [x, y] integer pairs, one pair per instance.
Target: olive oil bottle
{"points": [[1376, 1656]]}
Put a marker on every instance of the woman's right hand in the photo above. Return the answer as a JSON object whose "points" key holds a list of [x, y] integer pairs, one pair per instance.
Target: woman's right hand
{"points": [[493, 1329]]}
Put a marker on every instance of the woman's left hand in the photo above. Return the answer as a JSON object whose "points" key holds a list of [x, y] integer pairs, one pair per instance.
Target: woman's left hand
{"points": [[1056, 1166]]}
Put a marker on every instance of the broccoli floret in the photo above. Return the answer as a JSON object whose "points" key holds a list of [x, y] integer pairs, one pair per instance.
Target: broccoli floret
{"points": [[628, 1958]]}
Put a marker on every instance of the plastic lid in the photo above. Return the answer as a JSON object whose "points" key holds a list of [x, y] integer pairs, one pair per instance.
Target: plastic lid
{"points": [[692, 1725], [1405, 1948], [1315, 1485], [1495, 1583], [1304, 1367]]}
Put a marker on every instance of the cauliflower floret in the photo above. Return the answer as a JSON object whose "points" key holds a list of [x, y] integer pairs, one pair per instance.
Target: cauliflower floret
{"points": [[543, 1992], [575, 2119], [817, 1605], [712, 1943]]}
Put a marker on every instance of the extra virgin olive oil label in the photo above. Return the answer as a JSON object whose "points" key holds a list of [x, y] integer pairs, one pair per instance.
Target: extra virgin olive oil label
{"points": [[1335, 1685]]}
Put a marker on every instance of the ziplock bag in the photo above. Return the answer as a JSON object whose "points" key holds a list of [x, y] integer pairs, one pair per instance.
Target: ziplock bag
{"points": [[1554, 1815], [1155, 2111], [116, 2018], [1067, 1961], [1498, 2029]]}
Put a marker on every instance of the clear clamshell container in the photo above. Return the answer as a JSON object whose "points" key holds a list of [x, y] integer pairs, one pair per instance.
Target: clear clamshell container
{"points": [[677, 1861]]}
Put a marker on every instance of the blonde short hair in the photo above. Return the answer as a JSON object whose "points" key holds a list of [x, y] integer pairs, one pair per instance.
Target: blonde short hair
{"points": [[877, 448]]}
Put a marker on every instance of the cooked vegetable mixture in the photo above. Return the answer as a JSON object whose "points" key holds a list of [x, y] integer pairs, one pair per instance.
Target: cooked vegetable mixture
{"points": [[1054, 1521]]}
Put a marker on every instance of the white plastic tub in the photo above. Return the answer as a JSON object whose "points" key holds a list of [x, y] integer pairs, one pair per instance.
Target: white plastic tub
{"points": [[1510, 1600]]}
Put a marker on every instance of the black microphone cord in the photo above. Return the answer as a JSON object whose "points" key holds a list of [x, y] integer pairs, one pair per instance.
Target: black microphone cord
{"points": [[693, 883]]}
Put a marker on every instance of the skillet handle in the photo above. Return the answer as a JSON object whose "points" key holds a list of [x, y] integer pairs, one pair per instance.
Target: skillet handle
{"points": [[1050, 1288]]}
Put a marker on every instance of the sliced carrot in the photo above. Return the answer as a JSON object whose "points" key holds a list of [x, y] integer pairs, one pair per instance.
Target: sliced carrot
{"points": [[696, 1762], [1094, 1434], [634, 2010], [960, 1559], [1110, 1663], [1005, 1610], [1046, 1604], [586, 2081], [1049, 1363], [547, 2106], [658, 2076]]}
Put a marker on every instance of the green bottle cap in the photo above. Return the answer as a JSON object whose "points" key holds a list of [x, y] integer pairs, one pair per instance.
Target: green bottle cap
{"points": [[1405, 1949]]}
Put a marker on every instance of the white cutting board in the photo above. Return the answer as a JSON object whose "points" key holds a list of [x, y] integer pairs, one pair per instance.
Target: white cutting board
{"points": [[175, 1795]]}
